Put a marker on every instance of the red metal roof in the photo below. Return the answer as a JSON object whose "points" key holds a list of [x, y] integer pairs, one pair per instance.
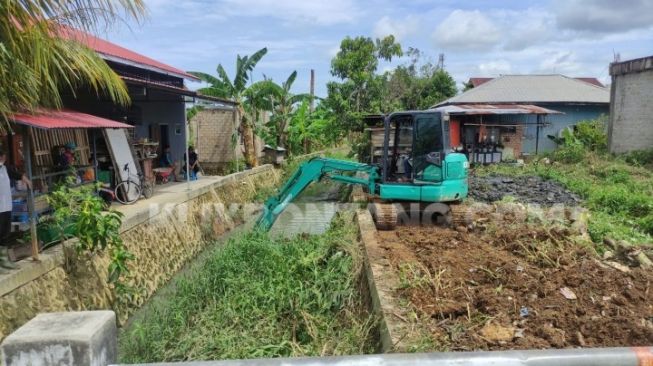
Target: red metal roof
{"points": [[51, 119], [478, 81], [117, 53], [593, 81]]}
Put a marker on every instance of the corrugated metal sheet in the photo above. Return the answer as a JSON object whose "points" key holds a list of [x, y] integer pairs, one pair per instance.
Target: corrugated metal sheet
{"points": [[480, 109], [175, 89], [532, 89], [476, 81], [50, 119], [117, 53]]}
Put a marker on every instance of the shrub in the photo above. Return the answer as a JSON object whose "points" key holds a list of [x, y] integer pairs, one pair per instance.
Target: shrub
{"points": [[591, 134], [79, 210], [570, 153], [639, 158]]}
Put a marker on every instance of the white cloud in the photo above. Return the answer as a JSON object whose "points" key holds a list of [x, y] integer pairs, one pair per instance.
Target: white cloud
{"points": [[494, 68], [526, 28], [560, 62], [603, 16], [400, 28], [467, 31], [320, 12]]}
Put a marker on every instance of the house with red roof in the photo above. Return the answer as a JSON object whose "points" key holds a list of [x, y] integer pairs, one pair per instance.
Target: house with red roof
{"points": [[94, 137], [157, 90]]}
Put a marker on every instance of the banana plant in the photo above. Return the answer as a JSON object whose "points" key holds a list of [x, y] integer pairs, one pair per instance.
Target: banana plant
{"points": [[281, 102]]}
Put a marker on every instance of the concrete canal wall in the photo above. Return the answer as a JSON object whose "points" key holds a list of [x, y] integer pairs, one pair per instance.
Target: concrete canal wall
{"points": [[163, 233]]}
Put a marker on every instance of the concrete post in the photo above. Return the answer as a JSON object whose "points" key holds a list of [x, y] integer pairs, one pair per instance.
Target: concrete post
{"points": [[83, 338]]}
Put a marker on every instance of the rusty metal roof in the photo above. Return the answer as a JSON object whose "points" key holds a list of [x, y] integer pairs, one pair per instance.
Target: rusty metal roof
{"points": [[63, 119], [480, 109]]}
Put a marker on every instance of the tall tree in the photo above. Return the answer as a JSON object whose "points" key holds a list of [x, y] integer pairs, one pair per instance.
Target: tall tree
{"points": [[280, 101], [418, 84], [39, 57], [361, 90], [237, 90]]}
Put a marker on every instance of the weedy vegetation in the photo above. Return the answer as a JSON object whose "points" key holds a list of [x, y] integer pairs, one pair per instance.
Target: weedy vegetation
{"points": [[617, 189], [259, 296]]}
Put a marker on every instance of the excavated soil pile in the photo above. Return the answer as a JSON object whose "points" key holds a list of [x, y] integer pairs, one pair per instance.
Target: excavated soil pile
{"points": [[516, 288], [524, 189]]}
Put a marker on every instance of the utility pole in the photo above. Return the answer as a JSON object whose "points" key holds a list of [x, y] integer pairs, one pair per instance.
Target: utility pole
{"points": [[307, 143], [312, 108]]}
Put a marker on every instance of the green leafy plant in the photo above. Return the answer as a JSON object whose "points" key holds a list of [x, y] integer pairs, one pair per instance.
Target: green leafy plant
{"points": [[79, 212], [260, 296]]}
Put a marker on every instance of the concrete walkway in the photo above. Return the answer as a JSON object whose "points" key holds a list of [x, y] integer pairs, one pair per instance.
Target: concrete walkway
{"points": [[164, 194]]}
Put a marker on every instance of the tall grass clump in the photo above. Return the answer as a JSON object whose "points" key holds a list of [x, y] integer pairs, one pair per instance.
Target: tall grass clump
{"points": [[261, 297]]}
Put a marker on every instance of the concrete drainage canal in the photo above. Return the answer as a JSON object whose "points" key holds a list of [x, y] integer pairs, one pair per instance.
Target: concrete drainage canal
{"points": [[325, 282], [296, 291]]}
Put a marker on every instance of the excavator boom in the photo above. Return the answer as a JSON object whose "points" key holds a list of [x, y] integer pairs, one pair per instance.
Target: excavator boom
{"points": [[313, 171]]}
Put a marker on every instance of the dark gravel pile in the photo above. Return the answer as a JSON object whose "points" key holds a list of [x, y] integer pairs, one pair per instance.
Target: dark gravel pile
{"points": [[524, 189]]}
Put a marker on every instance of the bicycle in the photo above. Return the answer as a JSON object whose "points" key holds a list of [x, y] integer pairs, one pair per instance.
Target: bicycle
{"points": [[125, 187]]}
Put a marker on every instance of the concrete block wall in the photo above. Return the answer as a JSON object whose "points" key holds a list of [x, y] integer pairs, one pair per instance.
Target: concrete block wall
{"points": [[213, 130], [631, 108]]}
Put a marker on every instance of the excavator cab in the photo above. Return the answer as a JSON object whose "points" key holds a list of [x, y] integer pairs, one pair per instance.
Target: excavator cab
{"points": [[414, 147]]}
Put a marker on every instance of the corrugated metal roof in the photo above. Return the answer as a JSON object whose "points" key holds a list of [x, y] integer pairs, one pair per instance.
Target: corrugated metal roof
{"points": [[531, 89], [113, 52], [51, 119], [481, 109], [476, 81]]}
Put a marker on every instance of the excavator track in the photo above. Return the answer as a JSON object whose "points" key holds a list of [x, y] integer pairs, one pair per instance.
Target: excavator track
{"points": [[459, 215], [385, 215]]}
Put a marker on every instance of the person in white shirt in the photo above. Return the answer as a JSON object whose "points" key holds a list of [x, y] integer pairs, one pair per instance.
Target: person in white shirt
{"points": [[7, 173]]}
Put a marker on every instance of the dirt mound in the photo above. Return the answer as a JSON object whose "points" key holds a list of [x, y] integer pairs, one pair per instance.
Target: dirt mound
{"points": [[517, 288], [525, 189]]}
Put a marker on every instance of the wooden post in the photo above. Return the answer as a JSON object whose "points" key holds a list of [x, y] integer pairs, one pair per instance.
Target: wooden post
{"points": [[27, 155], [537, 134]]}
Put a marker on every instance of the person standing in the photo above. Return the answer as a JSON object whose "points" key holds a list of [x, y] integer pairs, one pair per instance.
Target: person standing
{"points": [[7, 173]]}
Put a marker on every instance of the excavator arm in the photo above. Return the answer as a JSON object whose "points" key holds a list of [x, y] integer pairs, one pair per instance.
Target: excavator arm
{"points": [[313, 171]]}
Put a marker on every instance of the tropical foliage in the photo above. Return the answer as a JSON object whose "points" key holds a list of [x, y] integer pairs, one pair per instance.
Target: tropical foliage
{"points": [[80, 212], [302, 123], [279, 100], [41, 56], [237, 90]]}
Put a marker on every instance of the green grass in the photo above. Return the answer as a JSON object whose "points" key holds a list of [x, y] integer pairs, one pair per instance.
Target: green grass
{"points": [[261, 297], [618, 191]]}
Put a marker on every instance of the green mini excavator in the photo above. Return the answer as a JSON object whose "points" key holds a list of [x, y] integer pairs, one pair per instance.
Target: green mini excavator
{"points": [[417, 166]]}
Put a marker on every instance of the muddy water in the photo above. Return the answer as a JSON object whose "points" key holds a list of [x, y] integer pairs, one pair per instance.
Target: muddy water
{"points": [[312, 211]]}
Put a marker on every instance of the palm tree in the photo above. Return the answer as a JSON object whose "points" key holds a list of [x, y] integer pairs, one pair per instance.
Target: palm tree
{"points": [[39, 59], [280, 101], [237, 90]]}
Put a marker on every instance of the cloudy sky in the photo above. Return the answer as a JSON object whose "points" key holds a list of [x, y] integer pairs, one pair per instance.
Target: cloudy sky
{"points": [[478, 37]]}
